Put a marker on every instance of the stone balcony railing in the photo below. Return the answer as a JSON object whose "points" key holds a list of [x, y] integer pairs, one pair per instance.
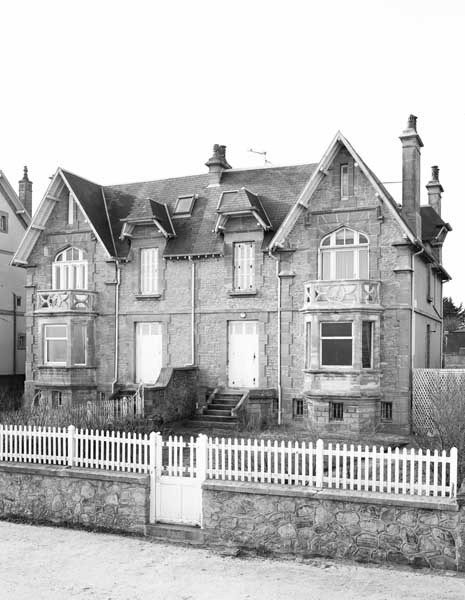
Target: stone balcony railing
{"points": [[354, 292], [66, 301]]}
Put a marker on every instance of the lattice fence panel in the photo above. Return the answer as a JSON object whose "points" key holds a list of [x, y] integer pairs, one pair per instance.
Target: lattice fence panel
{"points": [[433, 386]]}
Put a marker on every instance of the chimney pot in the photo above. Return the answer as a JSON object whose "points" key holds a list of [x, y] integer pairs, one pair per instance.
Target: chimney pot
{"points": [[217, 164], [435, 173], [25, 192], [412, 122], [435, 190]]}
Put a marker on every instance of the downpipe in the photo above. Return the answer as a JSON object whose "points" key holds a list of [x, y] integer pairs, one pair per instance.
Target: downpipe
{"points": [[276, 258], [116, 353]]}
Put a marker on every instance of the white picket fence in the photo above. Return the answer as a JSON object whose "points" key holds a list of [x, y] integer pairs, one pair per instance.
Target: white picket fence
{"points": [[334, 466]]}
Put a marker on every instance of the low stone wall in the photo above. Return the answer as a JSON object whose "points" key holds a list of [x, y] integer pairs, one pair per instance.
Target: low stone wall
{"points": [[81, 497], [339, 524], [174, 396]]}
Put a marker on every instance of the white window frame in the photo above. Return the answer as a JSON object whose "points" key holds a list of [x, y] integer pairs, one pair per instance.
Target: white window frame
{"points": [[332, 249], [338, 337], [148, 277], [84, 327], [244, 266], [51, 338], [72, 271], [187, 212]]}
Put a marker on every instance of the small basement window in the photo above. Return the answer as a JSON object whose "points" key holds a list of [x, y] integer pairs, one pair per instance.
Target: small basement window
{"points": [[386, 411], [298, 408], [336, 411], [21, 342], [184, 205]]}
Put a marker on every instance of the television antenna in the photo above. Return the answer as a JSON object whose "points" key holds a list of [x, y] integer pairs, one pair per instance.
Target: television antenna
{"points": [[264, 153]]}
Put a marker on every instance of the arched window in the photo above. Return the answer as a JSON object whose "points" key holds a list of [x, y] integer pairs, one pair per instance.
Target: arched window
{"points": [[344, 255], [70, 270]]}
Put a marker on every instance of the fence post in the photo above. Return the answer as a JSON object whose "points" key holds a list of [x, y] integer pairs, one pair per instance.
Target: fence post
{"points": [[1, 442], [71, 445], [202, 468], [319, 463], [153, 439], [453, 472]]}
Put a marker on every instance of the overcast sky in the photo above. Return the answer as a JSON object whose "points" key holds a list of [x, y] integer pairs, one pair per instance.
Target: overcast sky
{"points": [[120, 91]]}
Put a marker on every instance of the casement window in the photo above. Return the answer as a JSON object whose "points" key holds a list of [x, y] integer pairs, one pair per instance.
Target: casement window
{"points": [[70, 270], [55, 343], [367, 344], [149, 271], [244, 266], [79, 344], [308, 344], [3, 222], [336, 411], [344, 181], [21, 341], [344, 255], [336, 344]]}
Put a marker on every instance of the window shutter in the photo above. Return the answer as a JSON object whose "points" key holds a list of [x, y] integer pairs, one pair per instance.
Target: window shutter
{"points": [[244, 266], [149, 270]]}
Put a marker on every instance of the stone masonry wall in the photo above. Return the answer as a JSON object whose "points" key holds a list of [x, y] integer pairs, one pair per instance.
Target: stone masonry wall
{"points": [[339, 524], [85, 498]]}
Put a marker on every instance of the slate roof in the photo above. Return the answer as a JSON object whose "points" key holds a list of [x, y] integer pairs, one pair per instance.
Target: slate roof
{"points": [[431, 223], [277, 188]]}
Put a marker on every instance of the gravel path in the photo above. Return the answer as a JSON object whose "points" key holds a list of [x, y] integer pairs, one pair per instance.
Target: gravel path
{"points": [[47, 563]]}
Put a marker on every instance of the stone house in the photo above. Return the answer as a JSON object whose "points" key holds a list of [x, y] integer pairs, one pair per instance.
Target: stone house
{"points": [[15, 217], [308, 285]]}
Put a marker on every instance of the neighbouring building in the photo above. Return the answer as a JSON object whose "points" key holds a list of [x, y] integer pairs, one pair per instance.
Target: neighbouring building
{"points": [[454, 349], [14, 219], [308, 284]]}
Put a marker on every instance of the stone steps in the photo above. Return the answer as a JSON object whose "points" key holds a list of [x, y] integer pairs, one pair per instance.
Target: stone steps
{"points": [[185, 534]]}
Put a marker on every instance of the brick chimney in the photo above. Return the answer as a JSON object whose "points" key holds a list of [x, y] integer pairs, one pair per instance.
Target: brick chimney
{"points": [[25, 192], [411, 155], [217, 164], [435, 190]]}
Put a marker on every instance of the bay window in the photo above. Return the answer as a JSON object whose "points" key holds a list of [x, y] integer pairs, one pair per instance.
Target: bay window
{"points": [[336, 344], [55, 342]]}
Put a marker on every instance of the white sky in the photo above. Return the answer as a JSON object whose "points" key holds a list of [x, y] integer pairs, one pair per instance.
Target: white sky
{"points": [[120, 91]]}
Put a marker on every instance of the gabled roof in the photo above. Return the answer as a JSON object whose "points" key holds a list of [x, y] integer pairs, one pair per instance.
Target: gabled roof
{"points": [[15, 204]]}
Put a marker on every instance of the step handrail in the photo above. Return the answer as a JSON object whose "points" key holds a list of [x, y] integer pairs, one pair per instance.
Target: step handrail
{"points": [[240, 404]]}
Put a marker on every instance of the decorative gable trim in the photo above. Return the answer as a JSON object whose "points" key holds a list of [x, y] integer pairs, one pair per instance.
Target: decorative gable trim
{"points": [[39, 222], [319, 174]]}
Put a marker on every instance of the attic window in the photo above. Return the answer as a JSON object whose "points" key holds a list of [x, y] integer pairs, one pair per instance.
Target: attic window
{"points": [[184, 205]]}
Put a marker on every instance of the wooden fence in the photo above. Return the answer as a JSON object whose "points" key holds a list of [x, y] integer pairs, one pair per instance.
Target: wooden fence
{"points": [[333, 466]]}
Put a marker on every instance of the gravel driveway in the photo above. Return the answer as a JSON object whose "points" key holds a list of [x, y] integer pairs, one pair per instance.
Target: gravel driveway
{"points": [[50, 563]]}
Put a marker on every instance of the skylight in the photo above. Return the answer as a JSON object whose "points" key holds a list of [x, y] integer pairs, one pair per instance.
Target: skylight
{"points": [[184, 205]]}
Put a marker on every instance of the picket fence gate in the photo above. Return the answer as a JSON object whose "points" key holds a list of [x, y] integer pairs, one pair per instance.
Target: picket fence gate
{"points": [[179, 466]]}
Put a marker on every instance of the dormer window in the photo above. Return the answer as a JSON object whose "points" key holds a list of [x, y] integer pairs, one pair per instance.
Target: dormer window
{"points": [[184, 205], [344, 255], [70, 270]]}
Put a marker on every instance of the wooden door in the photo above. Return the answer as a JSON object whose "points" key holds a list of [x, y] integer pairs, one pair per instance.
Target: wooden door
{"points": [[148, 352], [243, 354]]}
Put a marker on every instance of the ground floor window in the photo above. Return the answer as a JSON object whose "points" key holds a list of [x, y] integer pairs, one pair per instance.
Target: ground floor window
{"points": [[55, 340], [65, 344], [298, 408], [336, 344], [386, 411], [336, 411], [57, 399], [367, 344]]}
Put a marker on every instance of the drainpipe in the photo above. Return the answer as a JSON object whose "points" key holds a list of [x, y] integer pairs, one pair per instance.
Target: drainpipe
{"points": [[412, 328], [117, 286], [192, 310], [276, 258], [14, 334]]}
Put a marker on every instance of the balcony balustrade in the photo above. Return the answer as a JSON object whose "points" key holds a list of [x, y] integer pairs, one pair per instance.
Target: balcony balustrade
{"points": [[48, 301], [347, 293]]}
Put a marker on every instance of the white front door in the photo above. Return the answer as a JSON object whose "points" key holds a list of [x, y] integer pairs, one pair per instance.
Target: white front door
{"points": [[148, 352], [243, 354]]}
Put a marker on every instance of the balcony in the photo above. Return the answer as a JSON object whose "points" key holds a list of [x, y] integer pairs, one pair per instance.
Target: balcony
{"points": [[355, 293], [52, 301]]}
